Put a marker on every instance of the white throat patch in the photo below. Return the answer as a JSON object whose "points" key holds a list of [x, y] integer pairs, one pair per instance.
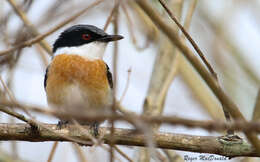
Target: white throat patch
{"points": [[93, 50]]}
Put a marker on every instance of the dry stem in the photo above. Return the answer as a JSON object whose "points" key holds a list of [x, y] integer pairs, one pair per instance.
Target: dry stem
{"points": [[49, 32], [211, 81]]}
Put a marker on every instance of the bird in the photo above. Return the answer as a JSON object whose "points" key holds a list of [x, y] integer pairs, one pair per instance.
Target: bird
{"points": [[77, 78]]}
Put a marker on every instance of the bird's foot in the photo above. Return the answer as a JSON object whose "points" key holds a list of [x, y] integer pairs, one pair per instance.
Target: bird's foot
{"points": [[94, 129], [62, 124]]}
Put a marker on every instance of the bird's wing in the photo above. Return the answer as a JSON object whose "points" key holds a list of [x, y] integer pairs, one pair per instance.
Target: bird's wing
{"points": [[46, 77], [109, 77]]}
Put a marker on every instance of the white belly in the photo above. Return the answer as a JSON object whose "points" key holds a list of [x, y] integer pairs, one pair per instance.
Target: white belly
{"points": [[76, 100]]}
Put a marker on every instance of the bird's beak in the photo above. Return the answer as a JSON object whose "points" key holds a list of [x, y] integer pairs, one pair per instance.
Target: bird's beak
{"points": [[110, 38]]}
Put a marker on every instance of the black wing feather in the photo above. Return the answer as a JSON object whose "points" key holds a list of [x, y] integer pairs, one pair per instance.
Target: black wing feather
{"points": [[109, 77], [46, 77]]}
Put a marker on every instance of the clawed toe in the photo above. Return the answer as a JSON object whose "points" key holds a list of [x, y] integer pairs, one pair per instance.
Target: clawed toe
{"points": [[94, 127], [62, 124]]}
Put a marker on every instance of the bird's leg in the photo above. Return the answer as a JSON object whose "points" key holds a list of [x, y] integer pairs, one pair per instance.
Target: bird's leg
{"points": [[62, 124], [94, 126]]}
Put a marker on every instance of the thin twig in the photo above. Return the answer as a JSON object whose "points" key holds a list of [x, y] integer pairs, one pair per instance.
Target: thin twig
{"points": [[115, 62], [88, 135], [42, 55], [195, 46], [14, 148], [29, 25], [168, 81], [161, 157], [123, 154], [211, 81], [132, 32], [126, 86], [190, 12], [256, 113], [172, 156], [53, 149], [15, 114], [80, 153], [113, 11], [33, 123], [49, 32], [10, 94], [234, 50], [164, 71], [193, 80], [173, 120]]}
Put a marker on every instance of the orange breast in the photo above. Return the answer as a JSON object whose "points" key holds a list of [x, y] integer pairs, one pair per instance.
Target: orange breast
{"points": [[89, 75]]}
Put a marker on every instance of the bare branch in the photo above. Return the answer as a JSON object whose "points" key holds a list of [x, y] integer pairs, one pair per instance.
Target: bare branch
{"points": [[29, 25], [123, 154], [256, 113], [196, 47], [49, 32], [53, 149], [211, 81], [239, 125], [200, 144]]}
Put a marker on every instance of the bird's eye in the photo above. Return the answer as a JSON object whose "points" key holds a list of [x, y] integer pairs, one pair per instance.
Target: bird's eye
{"points": [[86, 36]]}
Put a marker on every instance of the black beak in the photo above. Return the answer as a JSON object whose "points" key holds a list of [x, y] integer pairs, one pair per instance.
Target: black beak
{"points": [[110, 38]]}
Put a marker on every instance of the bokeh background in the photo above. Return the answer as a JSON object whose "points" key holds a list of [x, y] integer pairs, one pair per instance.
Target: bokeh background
{"points": [[226, 31]]}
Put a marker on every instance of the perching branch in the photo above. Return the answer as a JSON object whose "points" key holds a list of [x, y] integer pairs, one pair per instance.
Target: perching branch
{"points": [[243, 126], [201, 144]]}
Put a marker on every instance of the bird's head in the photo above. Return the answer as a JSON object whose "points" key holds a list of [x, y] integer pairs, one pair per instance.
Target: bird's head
{"points": [[85, 40]]}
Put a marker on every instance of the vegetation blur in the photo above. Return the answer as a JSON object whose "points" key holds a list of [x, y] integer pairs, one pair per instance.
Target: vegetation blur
{"points": [[220, 68]]}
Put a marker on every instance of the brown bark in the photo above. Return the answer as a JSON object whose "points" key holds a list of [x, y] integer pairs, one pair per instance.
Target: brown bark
{"points": [[201, 144]]}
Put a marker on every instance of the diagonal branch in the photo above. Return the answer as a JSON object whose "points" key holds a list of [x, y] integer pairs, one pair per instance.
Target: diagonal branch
{"points": [[49, 32], [211, 81], [29, 25], [196, 47]]}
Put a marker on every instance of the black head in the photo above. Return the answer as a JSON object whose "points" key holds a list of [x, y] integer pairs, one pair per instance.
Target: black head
{"points": [[82, 34]]}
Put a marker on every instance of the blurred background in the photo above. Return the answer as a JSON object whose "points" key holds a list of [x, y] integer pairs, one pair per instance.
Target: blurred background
{"points": [[149, 67]]}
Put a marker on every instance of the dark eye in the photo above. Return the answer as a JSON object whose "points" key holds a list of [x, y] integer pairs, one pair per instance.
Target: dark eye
{"points": [[86, 36]]}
